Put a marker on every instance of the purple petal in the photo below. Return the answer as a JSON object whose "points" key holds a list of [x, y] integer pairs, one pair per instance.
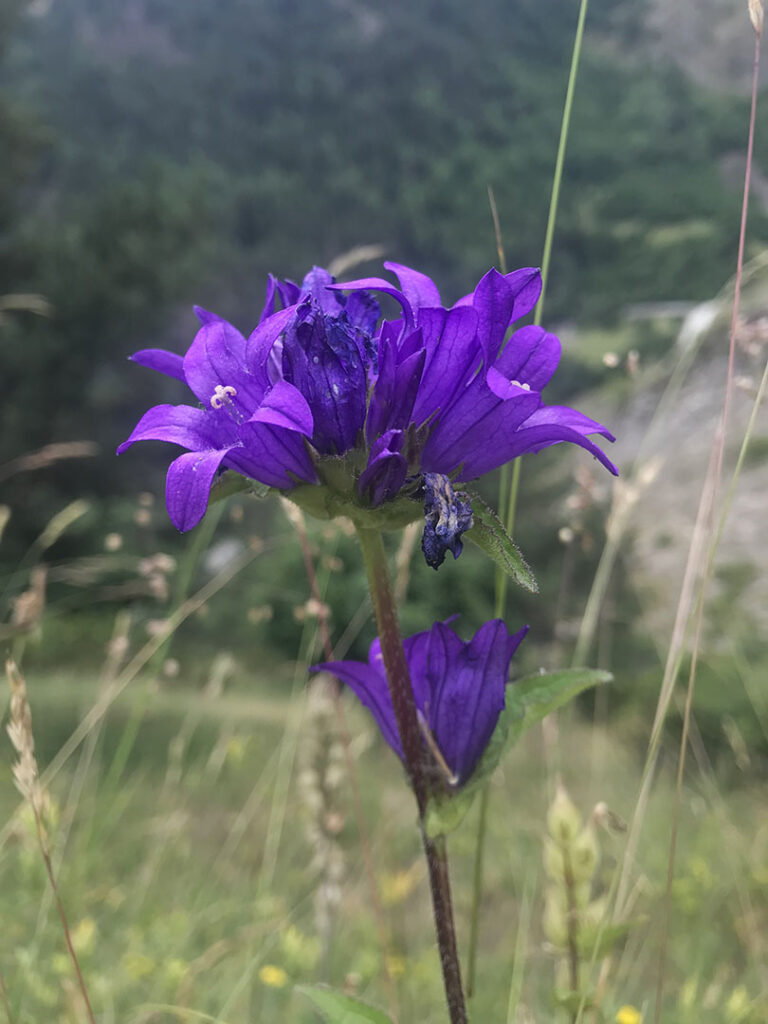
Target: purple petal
{"points": [[188, 486], [260, 344], [272, 455], [363, 311], [316, 284], [530, 356], [493, 301], [269, 300], [531, 439], [370, 686], [205, 316], [420, 290], [169, 363], [468, 691], [452, 356], [378, 284], [192, 428], [324, 358], [476, 430], [285, 406], [216, 359], [397, 386], [526, 287], [386, 470]]}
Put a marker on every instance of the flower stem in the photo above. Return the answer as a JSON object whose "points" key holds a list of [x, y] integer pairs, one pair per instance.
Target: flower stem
{"points": [[404, 706]]}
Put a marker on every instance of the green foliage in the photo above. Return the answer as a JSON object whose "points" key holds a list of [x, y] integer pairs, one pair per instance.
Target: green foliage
{"points": [[338, 1008], [490, 535]]}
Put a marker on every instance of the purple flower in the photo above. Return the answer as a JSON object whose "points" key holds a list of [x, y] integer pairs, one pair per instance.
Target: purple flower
{"points": [[405, 407], [459, 689], [246, 421]]}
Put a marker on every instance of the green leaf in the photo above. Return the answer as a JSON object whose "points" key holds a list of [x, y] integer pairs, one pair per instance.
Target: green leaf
{"points": [[528, 701], [342, 1009], [490, 535], [534, 697]]}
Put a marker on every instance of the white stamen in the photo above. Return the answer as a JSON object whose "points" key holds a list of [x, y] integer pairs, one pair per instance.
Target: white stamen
{"points": [[525, 387], [221, 395]]}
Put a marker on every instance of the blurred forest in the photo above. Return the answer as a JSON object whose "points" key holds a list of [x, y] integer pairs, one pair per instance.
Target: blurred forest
{"points": [[160, 154]]}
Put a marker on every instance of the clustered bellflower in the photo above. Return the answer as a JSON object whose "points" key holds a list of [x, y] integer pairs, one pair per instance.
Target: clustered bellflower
{"points": [[459, 689], [325, 393]]}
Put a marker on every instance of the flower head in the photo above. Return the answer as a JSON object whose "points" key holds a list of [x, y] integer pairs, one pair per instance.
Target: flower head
{"points": [[459, 689], [324, 392]]}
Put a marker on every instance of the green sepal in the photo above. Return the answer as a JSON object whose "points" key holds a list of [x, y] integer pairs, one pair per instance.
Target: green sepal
{"points": [[490, 535], [339, 1008], [528, 701], [230, 483], [325, 503]]}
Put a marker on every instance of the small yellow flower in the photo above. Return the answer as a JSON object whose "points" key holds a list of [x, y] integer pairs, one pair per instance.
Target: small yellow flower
{"points": [[272, 976], [83, 935], [395, 966], [629, 1015], [397, 887]]}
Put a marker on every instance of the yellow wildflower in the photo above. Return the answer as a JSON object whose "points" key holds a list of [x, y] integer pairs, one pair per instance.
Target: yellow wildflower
{"points": [[395, 965], [629, 1015], [273, 976]]}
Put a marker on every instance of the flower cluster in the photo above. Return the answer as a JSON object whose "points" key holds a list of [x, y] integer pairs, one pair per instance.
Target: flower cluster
{"points": [[407, 407], [459, 689]]}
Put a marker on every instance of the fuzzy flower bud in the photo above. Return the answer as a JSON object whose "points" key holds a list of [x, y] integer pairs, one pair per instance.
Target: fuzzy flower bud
{"points": [[563, 819]]}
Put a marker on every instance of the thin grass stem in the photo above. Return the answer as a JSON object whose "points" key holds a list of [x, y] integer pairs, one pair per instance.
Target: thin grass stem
{"points": [[509, 483]]}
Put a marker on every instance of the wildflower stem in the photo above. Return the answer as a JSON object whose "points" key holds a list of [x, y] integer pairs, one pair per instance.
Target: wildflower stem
{"points": [[404, 706]]}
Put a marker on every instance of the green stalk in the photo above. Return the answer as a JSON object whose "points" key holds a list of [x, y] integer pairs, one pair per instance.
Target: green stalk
{"points": [[404, 706], [508, 504]]}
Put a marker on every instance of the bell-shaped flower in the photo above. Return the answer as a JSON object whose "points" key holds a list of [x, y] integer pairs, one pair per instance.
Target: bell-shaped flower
{"points": [[459, 689]]}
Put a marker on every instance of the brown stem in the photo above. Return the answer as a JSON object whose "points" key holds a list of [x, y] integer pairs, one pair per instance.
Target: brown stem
{"points": [[404, 706], [62, 915]]}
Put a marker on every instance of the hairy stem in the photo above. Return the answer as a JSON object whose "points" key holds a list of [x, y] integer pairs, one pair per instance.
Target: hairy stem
{"points": [[404, 706]]}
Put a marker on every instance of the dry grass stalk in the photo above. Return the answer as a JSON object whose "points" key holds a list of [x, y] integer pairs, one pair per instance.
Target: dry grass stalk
{"points": [[48, 455], [6, 1001], [756, 15], [321, 775], [354, 257], [27, 779]]}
